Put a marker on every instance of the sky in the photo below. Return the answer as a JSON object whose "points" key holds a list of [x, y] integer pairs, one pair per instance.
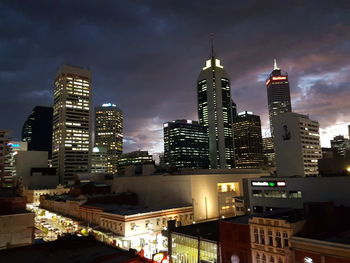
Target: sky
{"points": [[145, 56]]}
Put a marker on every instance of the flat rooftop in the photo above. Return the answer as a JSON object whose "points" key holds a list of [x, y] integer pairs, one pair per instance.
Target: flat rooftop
{"points": [[69, 249], [289, 215], [206, 230], [127, 210]]}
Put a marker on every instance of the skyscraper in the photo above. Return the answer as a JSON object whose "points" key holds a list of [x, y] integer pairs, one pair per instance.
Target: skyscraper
{"points": [[215, 112], [37, 130], [248, 140], [109, 133], [297, 145], [278, 93], [341, 145], [186, 144], [71, 122]]}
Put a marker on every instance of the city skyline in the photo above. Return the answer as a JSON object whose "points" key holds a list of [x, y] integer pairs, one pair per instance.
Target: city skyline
{"points": [[316, 65]]}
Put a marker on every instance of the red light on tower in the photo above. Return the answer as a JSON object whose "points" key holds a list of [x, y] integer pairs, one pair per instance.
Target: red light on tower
{"points": [[279, 78]]}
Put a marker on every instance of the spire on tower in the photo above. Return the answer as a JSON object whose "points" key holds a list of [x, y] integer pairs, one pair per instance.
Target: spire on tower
{"points": [[212, 55], [275, 67]]}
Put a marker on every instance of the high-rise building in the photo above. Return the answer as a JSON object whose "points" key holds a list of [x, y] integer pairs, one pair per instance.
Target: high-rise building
{"points": [[99, 160], [186, 144], [5, 151], [341, 145], [37, 130], [14, 148], [278, 93], [248, 140], [136, 158], [109, 133], [297, 145], [215, 112], [71, 122], [269, 152]]}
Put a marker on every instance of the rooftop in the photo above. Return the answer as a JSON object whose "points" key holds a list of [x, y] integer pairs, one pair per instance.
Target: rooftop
{"points": [[68, 249], [206, 230], [289, 215]]}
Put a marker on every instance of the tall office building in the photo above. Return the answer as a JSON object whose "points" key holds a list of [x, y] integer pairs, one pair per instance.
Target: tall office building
{"points": [[186, 144], [248, 140], [109, 133], [71, 122], [215, 112], [297, 145], [5, 151], [278, 93], [37, 130]]}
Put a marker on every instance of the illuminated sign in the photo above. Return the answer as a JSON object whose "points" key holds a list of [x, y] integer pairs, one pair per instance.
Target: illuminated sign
{"points": [[279, 78], [14, 145], [109, 105], [269, 183]]}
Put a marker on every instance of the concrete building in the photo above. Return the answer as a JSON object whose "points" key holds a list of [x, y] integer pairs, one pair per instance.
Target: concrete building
{"points": [[32, 170], [109, 133], [14, 148], [215, 112], [341, 145], [71, 122], [186, 144], [33, 195], [212, 193], [297, 145], [269, 152], [4, 151], [248, 140], [37, 130], [270, 233], [17, 225], [278, 94], [99, 160], [270, 193]]}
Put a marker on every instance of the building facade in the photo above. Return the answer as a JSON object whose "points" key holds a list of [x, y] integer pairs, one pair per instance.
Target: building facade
{"points": [[270, 235], [297, 145], [341, 145], [136, 158], [37, 130], [278, 93], [270, 193], [248, 141], [269, 152], [215, 112], [186, 144], [5, 151], [71, 122], [109, 133]]}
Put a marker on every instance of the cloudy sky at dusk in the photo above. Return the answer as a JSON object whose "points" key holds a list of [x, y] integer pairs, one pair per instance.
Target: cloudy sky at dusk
{"points": [[145, 57]]}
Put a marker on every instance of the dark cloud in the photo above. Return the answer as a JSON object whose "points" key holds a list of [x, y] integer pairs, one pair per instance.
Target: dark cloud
{"points": [[146, 56]]}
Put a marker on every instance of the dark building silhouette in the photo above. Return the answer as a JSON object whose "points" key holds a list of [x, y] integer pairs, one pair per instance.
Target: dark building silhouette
{"points": [[186, 144], [37, 130], [248, 140]]}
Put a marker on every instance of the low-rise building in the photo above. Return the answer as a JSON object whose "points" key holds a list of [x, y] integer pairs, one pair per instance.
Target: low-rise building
{"points": [[270, 233], [17, 225], [33, 195], [195, 243], [269, 193], [213, 193]]}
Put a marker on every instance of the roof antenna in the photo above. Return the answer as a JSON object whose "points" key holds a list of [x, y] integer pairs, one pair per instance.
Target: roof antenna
{"points": [[212, 45], [275, 67]]}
